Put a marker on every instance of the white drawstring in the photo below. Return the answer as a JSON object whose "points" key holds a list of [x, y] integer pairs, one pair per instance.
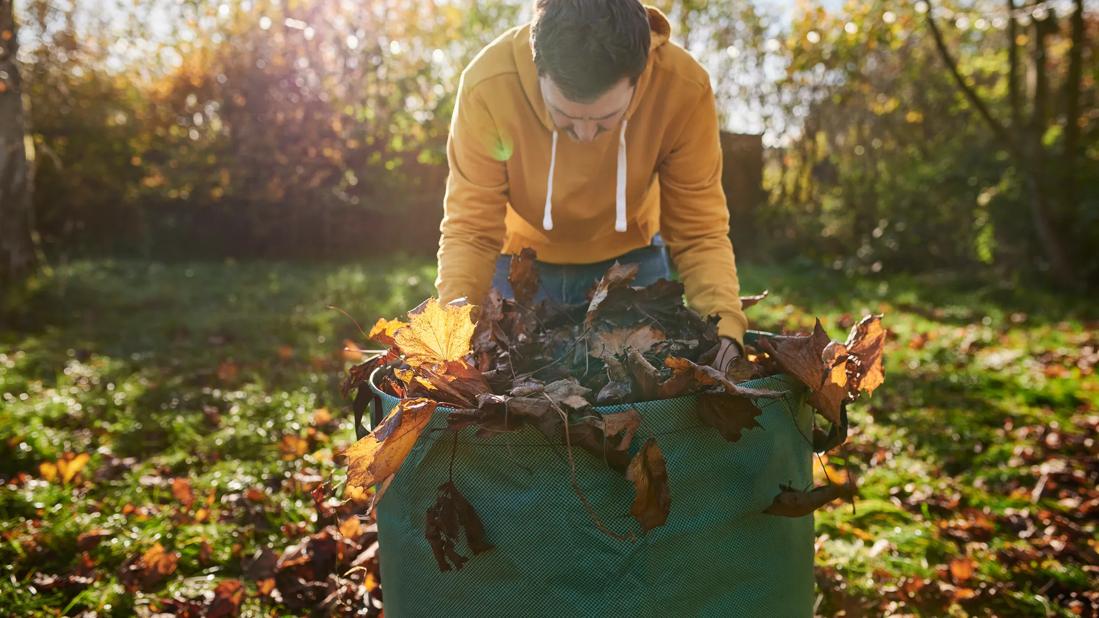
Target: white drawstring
{"points": [[620, 189], [547, 217]]}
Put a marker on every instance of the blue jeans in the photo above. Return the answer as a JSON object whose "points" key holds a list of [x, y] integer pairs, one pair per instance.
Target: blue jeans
{"points": [[570, 283]]}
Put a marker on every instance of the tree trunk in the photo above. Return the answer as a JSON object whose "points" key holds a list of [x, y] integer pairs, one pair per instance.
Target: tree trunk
{"points": [[1070, 185], [1047, 220], [1024, 144], [16, 215]]}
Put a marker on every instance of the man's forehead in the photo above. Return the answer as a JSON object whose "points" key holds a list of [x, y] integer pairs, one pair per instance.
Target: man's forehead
{"points": [[608, 104]]}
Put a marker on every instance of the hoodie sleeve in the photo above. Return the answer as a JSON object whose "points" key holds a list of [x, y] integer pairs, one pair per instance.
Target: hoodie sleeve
{"points": [[475, 201], [694, 219]]}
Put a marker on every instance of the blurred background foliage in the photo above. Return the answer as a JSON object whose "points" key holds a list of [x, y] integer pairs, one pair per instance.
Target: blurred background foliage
{"points": [[316, 128]]}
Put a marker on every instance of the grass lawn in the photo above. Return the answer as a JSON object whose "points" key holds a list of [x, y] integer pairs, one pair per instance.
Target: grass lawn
{"points": [[205, 398]]}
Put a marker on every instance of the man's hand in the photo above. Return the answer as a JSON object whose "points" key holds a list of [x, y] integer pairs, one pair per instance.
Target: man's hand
{"points": [[728, 351]]}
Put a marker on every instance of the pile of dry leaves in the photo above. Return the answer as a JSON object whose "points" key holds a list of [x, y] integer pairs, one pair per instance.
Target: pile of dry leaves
{"points": [[510, 364]]}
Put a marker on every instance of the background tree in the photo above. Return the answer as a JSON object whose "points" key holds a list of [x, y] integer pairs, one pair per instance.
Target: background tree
{"points": [[1033, 140], [16, 216]]}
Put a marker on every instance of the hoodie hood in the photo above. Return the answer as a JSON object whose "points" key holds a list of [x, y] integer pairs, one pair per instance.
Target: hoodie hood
{"points": [[659, 31]]}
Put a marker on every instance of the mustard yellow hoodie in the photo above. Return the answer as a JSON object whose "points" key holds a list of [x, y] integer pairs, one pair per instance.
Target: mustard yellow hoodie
{"points": [[514, 184]]}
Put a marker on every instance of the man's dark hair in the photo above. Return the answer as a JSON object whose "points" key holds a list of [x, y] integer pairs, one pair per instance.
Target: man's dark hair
{"points": [[586, 46]]}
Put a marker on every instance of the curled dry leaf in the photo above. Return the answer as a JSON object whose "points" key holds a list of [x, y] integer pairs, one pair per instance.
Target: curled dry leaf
{"points": [[447, 518], [865, 343], [649, 474], [618, 275], [748, 301], [644, 374], [384, 331], [793, 503], [523, 276], [804, 358], [379, 455]]}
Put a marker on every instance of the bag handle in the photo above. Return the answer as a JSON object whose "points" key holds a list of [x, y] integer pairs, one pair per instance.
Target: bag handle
{"points": [[363, 398]]}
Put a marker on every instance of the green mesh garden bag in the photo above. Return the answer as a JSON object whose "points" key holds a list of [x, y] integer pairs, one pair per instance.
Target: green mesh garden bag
{"points": [[718, 554]]}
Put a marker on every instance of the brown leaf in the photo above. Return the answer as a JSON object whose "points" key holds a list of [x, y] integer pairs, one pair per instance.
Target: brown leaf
{"points": [[729, 414], [802, 356], [624, 423], [614, 392], [151, 568], [644, 374], [70, 467], [265, 586], [597, 433], [437, 334], [322, 417], [615, 342], [748, 301], [181, 489], [384, 331], [568, 392], [90, 539], [454, 382], [228, 596], [351, 352], [793, 503], [866, 342], [652, 501], [293, 447], [380, 454], [447, 518], [961, 569], [617, 276], [689, 377], [227, 371], [523, 276], [351, 527]]}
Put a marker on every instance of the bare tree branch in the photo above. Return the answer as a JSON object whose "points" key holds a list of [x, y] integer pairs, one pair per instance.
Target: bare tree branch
{"points": [[998, 129]]}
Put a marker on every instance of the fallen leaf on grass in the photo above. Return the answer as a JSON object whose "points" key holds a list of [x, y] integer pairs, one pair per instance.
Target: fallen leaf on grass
{"points": [[149, 569], [227, 371], [181, 490], [228, 596], [91, 539], [293, 447], [447, 518], [380, 454], [961, 569], [647, 471], [65, 469]]}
